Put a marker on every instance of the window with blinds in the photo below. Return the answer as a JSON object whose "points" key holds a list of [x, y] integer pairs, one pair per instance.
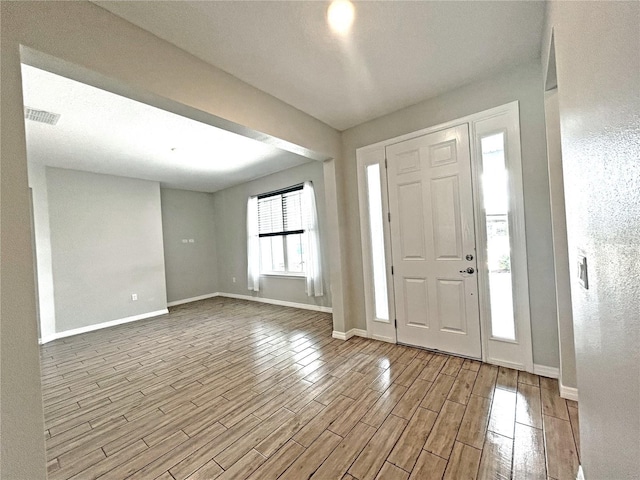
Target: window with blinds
{"points": [[280, 213], [280, 228]]}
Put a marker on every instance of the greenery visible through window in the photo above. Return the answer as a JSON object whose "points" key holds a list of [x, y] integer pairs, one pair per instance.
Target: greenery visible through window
{"points": [[281, 233]]}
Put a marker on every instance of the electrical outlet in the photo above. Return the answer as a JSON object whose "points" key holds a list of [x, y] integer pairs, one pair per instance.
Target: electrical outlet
{"points": [[234, 279], [134, 297]]}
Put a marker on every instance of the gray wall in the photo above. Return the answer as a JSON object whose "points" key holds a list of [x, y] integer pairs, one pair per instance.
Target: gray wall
{"points": [[42, 240], [106, 244], [522, 84], [560, 249], [101, 49], [598, 65], [190, 268], [231, 237], [22, 453]]}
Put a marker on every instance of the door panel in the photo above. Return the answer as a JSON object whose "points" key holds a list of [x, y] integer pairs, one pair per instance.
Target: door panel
{"points": [[451, 311], [416, 298], [408, 161], [432, 231], [411, 221], [443, 153], [447, 232]]}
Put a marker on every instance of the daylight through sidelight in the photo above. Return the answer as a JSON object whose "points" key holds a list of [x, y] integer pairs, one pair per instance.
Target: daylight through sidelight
{"points": [[376, 233], [496, 204]]}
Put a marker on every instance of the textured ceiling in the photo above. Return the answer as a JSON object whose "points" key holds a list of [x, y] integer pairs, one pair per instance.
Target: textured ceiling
{"points": [[397, 54]]}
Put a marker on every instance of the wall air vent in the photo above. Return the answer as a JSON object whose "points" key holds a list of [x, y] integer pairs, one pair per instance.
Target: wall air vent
{"points": [[41, 116]]}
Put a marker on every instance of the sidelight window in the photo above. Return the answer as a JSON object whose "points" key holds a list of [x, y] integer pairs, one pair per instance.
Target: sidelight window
{"points": [[376, 238], [496, 205]]}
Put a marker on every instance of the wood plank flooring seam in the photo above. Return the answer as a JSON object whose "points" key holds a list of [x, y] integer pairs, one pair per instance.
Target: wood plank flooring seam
{"points": [[163, 398]]}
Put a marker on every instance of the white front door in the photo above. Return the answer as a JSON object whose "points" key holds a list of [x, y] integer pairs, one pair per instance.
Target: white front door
{"points": [[433, 242]]}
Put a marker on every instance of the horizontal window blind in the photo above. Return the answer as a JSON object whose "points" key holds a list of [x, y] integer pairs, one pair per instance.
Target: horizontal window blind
{"points": [[280, 213]]}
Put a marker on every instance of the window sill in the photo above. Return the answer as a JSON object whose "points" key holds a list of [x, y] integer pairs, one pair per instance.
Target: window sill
{"points": [[283, 275]]}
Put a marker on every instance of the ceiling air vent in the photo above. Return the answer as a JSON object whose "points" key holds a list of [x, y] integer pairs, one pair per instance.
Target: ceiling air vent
{"points": [[41, 116]]}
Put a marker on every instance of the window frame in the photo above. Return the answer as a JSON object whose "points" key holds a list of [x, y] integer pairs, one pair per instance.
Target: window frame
{"points": [[284, 234]]}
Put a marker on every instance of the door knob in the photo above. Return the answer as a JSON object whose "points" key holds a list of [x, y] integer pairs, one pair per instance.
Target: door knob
{"points": [[468, 270]]}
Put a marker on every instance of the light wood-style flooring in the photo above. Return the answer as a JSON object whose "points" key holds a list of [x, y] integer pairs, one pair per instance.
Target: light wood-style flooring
{"points": [[227, 389]]}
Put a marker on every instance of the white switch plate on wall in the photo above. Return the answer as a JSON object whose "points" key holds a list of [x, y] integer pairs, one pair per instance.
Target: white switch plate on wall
{"points": [[583, 277]]}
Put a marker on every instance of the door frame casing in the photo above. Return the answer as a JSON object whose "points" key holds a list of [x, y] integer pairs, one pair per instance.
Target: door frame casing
{"points": [[492, 351]]}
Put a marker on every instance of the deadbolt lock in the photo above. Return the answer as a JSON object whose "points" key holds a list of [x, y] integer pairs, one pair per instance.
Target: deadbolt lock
{"points": [[469, 257]]}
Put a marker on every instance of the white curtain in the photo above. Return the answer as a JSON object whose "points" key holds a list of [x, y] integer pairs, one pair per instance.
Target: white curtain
{"points": [[313, 266], [253, 245]]}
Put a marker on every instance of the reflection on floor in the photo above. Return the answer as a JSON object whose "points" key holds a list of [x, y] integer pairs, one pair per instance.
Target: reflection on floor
{"points": [[232, 389]]}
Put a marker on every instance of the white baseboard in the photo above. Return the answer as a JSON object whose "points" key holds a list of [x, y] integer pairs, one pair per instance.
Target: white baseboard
{"points": [[580, 475], [506, 364], [570, 393], [282, 303], [192, 299], [544, 371], [357, 332], [354, 332], [383, 338], [340, 335], [100, 326]]}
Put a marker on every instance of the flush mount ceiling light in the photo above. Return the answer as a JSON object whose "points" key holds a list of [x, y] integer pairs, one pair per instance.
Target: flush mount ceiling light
{"points": [[340, 16]]}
